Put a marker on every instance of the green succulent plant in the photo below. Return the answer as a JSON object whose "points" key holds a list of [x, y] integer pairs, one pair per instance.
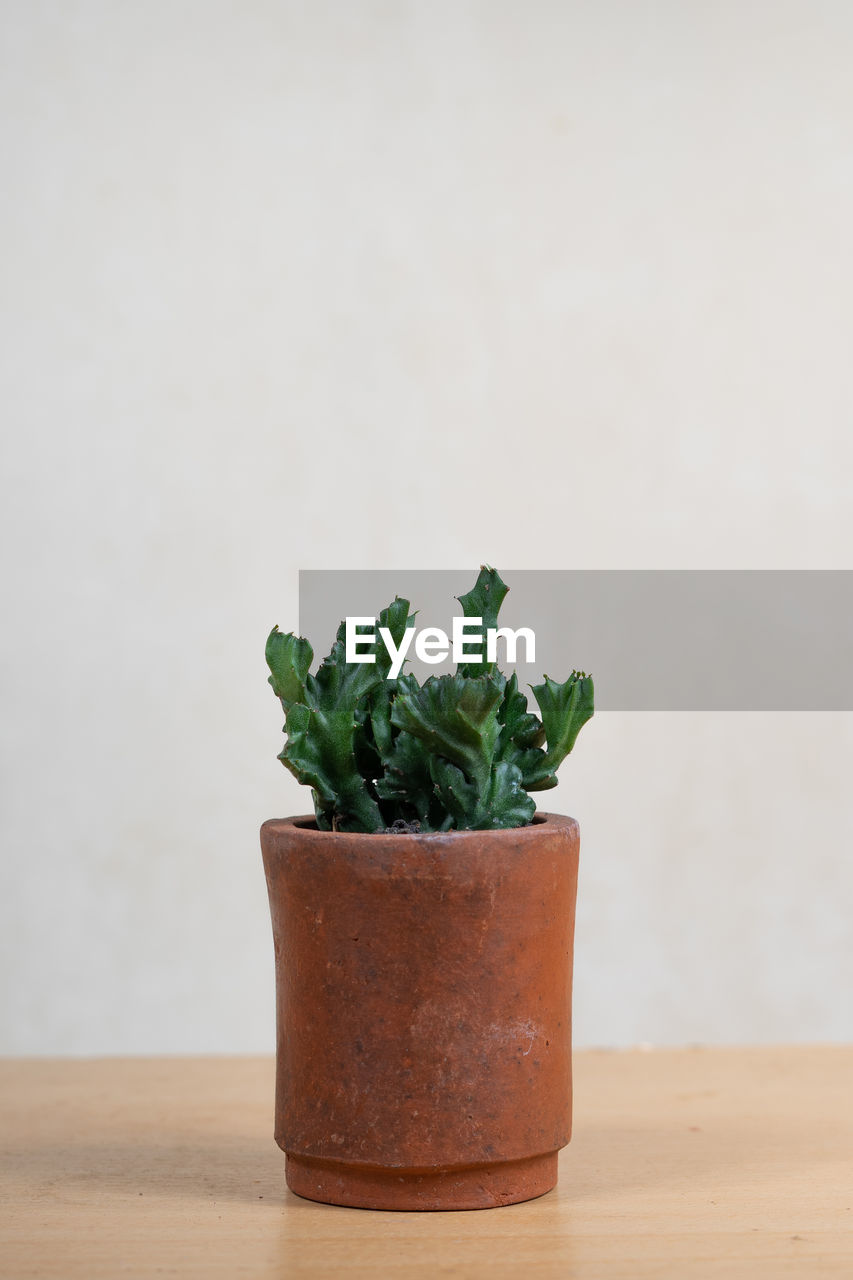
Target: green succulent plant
{"points": [[460, 751]]}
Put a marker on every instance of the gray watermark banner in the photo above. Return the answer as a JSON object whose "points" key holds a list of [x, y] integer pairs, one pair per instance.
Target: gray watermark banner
{"points": [[654, 640]]}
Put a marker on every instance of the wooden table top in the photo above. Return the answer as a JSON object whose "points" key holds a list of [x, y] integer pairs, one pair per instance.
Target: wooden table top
{"points": [[684, 1163]]}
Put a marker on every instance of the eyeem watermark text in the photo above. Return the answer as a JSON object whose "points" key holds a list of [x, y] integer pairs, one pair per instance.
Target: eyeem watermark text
{"points": [[433, 645]]}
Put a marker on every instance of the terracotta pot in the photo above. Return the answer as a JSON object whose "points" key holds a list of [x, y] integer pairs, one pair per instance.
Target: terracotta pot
{"points": [[424, 1011]]}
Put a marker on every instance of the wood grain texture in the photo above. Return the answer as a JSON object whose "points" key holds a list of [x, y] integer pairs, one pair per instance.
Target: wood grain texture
{"points": [[684, 1164]]}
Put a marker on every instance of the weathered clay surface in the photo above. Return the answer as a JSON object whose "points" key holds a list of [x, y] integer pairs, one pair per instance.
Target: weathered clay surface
{"points": [[424, 1011]]}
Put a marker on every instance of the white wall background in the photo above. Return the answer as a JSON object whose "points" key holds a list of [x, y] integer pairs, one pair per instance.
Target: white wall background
{"points": [[378, 283]]}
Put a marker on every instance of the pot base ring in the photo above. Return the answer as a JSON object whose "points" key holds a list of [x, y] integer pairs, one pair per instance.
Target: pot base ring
{"points": [[482, 1186]]}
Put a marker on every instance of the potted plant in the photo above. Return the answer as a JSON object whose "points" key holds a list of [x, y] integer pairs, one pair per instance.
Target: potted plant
{"points": [[423, 922]]}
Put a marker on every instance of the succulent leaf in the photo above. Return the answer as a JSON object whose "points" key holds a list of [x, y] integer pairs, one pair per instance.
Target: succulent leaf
{"points": [[289, 658], [459, 797], [322, 746], [484, 601], [456, 716], [518, 725], [503, 803], [406, 781], [565, 709], [459, 751], [506, 803]]}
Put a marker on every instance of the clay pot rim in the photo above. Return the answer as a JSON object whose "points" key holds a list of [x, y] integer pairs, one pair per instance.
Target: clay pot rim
{"points": [[306, 824]]}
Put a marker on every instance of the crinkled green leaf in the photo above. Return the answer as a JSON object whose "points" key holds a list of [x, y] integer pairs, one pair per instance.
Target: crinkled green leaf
{"points": [[457, 718], [381, 700], [289, 658], [504, 802], [460, 751], [482, 601], [396, 619], [406, 784], [521, 736], [565, 709], [459, 797], [518, 725], [322, 747]]}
